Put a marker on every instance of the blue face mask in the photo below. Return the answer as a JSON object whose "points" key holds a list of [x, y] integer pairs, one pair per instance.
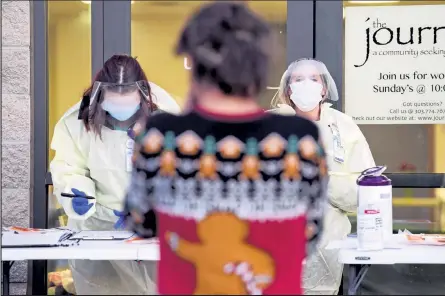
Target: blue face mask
{"points": [[120, 112]]}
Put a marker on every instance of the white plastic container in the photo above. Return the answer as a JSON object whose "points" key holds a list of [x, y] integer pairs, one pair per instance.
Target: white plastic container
{"points": [[376, 189], [369, 227]]}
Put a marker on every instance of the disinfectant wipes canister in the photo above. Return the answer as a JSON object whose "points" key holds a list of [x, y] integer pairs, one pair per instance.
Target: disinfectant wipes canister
{"points": [[374, 199]]}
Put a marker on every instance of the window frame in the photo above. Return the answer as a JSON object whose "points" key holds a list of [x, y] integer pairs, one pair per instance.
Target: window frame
{"points": [[110, 33]]}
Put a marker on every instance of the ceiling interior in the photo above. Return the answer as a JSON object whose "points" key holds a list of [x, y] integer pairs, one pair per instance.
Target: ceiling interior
{"points": [[273, 11]]}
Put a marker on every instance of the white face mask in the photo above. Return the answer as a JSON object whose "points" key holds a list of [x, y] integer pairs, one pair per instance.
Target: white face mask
{"points": [[120, 112], [306, 94], [122, 106]]}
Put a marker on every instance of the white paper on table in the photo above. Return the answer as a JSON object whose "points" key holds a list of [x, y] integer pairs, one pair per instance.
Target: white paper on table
{"points": [[47, 237], [102, 235]]}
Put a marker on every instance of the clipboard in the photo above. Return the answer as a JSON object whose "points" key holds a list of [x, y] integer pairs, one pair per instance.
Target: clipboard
{"points": [[92, 235]]}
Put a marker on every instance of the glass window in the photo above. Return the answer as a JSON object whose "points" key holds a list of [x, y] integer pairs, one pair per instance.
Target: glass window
{"points": [[69, 56], [402, 147], [407, 148], [69, 67], [155, 29]]}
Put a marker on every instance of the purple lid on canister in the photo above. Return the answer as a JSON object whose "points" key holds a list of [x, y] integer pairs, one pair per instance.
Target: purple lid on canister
{"points": [[373, 177]]}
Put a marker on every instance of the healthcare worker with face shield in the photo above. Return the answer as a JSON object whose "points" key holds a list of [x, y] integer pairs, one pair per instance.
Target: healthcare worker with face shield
{"points": [[304, 90], [92, 165]]}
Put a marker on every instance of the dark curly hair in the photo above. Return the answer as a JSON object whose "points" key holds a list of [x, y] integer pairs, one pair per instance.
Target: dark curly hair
{"points": [[229, 47]]}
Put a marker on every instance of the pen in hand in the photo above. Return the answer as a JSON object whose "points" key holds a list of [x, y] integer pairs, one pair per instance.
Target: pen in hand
{"points": [[70, 195]]}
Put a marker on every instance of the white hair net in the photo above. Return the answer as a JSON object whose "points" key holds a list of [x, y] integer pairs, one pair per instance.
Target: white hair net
{"points": [[305, 69]]}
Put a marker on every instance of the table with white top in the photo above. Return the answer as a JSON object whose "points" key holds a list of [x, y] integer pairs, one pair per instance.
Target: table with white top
{"points": [[396, 253], [84, 250], [359, 261]]}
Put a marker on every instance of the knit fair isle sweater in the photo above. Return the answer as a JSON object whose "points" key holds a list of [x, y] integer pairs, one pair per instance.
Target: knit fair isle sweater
{"points": [[238, 200]]}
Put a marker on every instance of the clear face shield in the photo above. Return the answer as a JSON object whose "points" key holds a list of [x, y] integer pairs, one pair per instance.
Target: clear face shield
{"points": [[120, 100], [307, 83]]}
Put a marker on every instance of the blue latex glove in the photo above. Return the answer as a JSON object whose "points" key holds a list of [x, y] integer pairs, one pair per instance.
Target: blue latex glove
{"points": [[120, 224], [80, 203]]}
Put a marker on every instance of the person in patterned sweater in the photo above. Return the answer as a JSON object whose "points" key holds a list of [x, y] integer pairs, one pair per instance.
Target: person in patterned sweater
{"points": [[235, 195]]}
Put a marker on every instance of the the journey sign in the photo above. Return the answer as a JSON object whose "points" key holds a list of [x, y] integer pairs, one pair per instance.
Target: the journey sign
{"points": [[395, 64]]}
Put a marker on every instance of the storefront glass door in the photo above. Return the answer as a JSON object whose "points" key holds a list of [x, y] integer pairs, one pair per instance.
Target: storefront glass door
{"points": [[69, 47], [80, 38], [69, 73], [397, 124], [376, 51]]}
